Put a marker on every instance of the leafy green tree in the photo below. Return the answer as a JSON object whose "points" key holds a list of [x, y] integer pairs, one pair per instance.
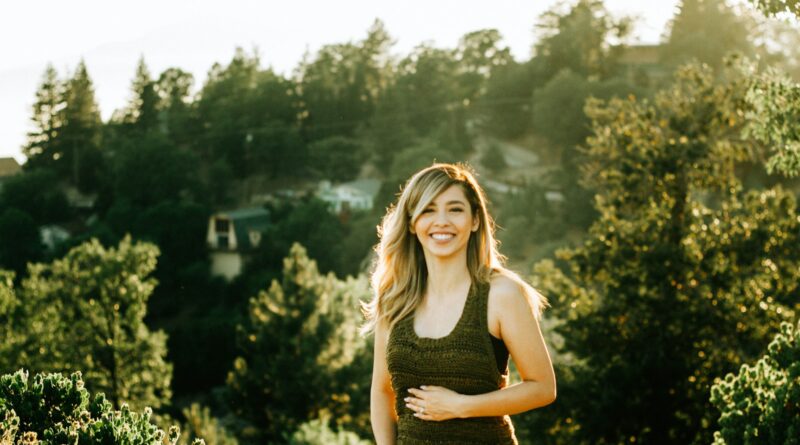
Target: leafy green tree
{"points": [[200, 425], [19, 240], [774, 7], [42, 148], [705, 30], [774, 101], [581, 40], [238, 104], [85, 312], [505, 107], [317, 432], [759, 404], [51, 409], [176, 109], [336, 158], [300, 333], [340, 86], [682, 278], [36, 193]]}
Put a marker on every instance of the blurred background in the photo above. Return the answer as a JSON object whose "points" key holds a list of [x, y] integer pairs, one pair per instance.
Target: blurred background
{"points": [[189, 197]]}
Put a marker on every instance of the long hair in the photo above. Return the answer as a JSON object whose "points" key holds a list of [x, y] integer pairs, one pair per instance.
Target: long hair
{"points": [[400, 273]]}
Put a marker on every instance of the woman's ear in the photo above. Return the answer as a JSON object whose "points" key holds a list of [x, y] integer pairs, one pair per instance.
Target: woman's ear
{"points": [[476, 222]]}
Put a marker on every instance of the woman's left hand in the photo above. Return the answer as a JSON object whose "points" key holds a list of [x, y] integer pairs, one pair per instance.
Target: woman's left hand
{"points": [[434, 403]]}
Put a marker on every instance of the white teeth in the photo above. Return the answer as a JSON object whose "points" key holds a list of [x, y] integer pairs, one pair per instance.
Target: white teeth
{"points": [[442, 236]]}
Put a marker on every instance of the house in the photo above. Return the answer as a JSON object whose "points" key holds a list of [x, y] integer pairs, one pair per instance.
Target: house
{"points": [[8, 168], [354, 195], [233, 236]]}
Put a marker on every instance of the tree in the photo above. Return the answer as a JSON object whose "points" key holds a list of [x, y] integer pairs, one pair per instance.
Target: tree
{"points": [[299, 334], [85, 312], [142, 113], [705, 30], [683, 276], [42, 149], [774, 7], [19, 240], [51, 408], [36, 193], [759, 404], [78, 158], [336, 158], [174, 104], [581, 40]]}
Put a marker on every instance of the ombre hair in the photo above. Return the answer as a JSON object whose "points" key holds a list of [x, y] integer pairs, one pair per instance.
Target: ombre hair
{"points": [[400, 273]]}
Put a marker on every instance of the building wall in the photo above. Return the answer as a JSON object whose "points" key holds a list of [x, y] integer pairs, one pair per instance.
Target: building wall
{"points": [[226, 264]]}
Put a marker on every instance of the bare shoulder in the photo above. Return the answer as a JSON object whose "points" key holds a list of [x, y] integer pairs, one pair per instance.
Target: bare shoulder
{"points": [[506, 299], [506, 293]]}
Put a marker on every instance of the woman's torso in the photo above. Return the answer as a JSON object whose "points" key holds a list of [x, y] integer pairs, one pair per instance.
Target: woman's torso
{"points": [[465, 361]]}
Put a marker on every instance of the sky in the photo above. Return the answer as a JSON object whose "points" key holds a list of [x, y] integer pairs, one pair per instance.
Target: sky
{"points": [[111, 36]]}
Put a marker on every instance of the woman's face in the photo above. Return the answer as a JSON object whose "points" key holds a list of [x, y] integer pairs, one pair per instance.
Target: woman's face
{"points": [[443, 228]]}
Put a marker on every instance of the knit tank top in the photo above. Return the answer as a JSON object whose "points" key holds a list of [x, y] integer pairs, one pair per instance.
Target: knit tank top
{"points": [[463, 361]]}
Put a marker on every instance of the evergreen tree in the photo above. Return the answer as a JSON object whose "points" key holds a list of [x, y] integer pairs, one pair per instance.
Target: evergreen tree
{"points": [[301, 332], [42, 148], [705, 30], [85, 312], [78, 158], [142, 111]]}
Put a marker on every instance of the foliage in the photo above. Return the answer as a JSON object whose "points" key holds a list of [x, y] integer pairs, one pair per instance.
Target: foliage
{"points": [[336, 158], [317, 432], [774, 7], [759, 405], [19, 240], [775, 102], [85, 312], [682, 277], [53, 409], [580, 40], [300, 333], [36, 193], [705, 30], [201, 425]]}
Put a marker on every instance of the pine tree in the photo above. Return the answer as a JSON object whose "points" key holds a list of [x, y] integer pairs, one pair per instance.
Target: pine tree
{"points": [[42, 148], [142, 111], [79, 138], [300, 333]]}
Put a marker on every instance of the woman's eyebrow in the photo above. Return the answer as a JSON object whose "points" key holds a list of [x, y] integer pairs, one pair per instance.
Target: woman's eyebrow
{"points": [[447, 203]]}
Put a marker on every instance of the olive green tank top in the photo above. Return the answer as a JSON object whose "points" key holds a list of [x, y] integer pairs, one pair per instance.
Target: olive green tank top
{"points": [[463, 361]]}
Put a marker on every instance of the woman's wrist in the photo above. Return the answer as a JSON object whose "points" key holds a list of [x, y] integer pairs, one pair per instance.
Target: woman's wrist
{"points": [[464, 406]]}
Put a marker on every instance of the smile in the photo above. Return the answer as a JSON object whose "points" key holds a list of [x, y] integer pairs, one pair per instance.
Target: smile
{"points": [[442, 236]]}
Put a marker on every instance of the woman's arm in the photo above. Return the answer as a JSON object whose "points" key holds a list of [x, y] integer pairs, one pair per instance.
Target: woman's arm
{"points": [[382, 398], [522, 335]]}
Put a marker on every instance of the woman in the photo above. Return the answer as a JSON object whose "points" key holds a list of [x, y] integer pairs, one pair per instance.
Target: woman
{"points": [[446, 315]]}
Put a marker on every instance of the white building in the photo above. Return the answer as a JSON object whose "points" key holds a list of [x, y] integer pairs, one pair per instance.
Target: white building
{"points": [[354, 195], [232, 237]]}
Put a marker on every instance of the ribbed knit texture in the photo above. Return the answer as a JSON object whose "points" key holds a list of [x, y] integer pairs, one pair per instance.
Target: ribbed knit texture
{"points": [[462, 361]]}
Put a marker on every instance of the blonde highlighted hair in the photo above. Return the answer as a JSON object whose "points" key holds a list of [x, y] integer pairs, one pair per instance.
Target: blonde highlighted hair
{"points": [[399, 274]]}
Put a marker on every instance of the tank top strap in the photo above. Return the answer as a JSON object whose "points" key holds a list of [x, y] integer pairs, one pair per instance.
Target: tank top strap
{"points": [[477, 306]]}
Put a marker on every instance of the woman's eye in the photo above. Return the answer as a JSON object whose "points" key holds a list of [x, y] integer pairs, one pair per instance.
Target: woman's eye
{"points": [[427, 211], [456, 210]]}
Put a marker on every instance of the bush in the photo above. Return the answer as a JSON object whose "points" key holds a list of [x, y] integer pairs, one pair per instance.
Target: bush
{"points": [[53, 409]]}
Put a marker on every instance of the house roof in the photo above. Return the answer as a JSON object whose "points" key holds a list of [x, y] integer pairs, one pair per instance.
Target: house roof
{"points": [[245, 221], [9, 166], [369, 187]]}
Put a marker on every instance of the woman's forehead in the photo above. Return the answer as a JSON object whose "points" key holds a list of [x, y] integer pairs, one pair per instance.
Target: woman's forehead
{"points": [[451, 195]]}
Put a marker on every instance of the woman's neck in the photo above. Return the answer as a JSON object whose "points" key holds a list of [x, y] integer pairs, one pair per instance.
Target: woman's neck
{"points": [[447, 277]]}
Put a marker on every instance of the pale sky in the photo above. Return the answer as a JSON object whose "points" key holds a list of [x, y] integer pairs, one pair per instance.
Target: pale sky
{"points": [[194, 34]]}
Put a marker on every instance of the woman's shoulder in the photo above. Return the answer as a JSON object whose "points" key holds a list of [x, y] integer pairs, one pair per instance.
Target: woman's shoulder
{"points": [[505, 291]]}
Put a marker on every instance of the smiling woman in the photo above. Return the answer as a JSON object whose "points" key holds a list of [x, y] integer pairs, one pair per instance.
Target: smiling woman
{"points": [[446, 315]]}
